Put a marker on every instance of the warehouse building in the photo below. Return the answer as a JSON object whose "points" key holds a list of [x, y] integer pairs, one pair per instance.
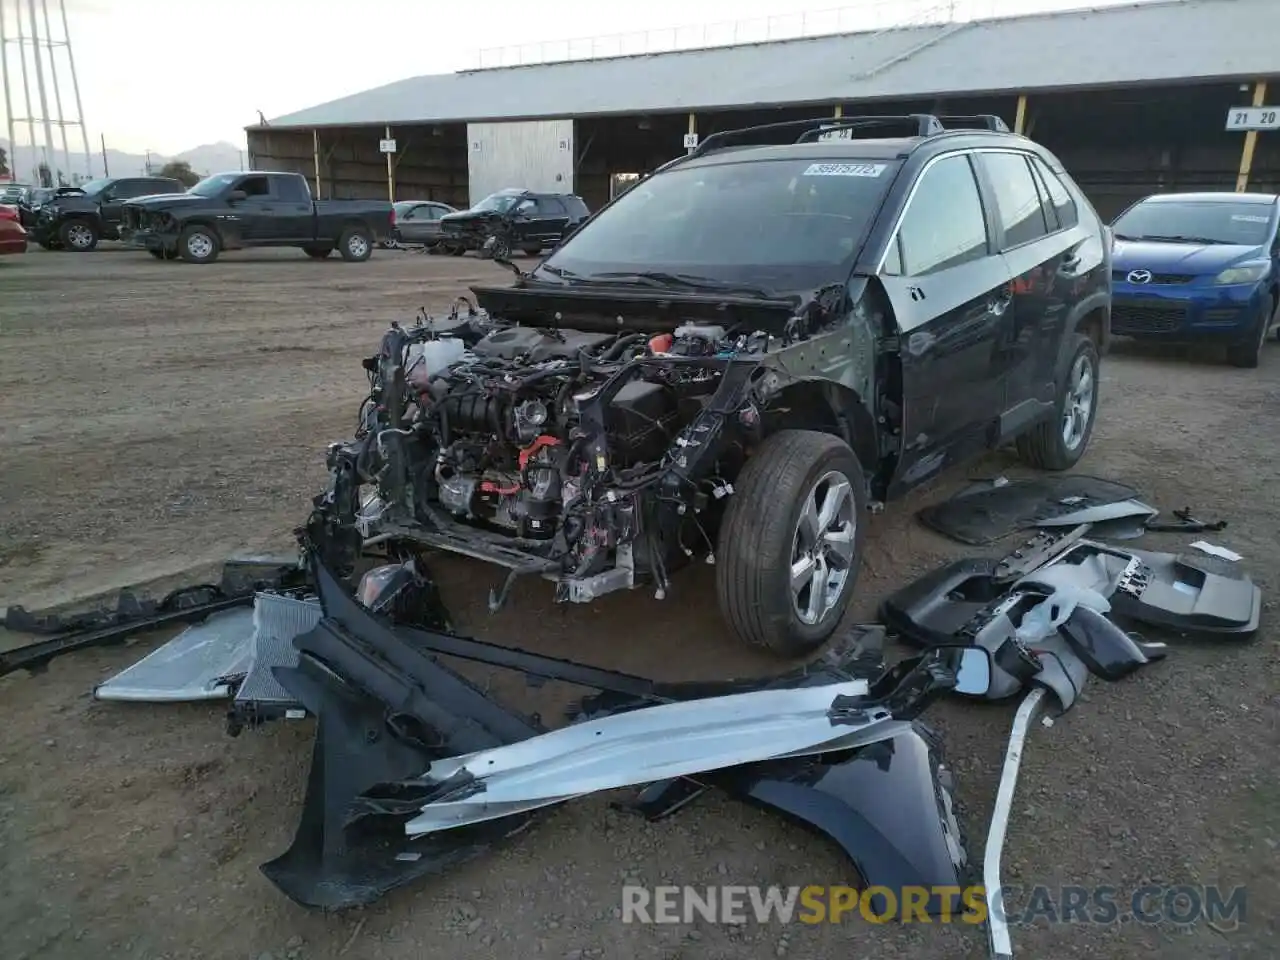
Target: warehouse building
{"points": [[1134, 99]]}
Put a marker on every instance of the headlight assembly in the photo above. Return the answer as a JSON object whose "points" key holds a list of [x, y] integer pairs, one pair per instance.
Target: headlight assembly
{"points": [[1245, 273]]}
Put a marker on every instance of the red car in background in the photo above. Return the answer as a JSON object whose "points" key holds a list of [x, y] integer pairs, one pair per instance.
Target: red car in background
{"points": [[13, 238]]}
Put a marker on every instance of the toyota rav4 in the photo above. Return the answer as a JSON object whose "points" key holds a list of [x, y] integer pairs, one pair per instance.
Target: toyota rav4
{"points": [[734, 360]]}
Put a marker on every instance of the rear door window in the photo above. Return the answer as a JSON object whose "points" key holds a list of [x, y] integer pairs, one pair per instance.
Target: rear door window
{"points": [[943, 226], [291, 189], [1064, 207], [1018, 201], [551, 207]]}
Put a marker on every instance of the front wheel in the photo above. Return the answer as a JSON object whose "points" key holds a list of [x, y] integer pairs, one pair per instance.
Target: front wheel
{"points": [[78, 235], [355, 245], [791, 542], [1248, 355], [199, 244], [1060, 442]]}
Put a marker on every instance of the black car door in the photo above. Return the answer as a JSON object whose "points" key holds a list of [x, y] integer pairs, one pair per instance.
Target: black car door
{"points": [[1038, 244], [112, 201], [553, 219], [951, 292]]}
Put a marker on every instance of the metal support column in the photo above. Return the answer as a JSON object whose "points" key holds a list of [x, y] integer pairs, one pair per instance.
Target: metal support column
{"points": [[839, 110], [315, 155], [75, 88], [1020, 117], [50, 157], [391, 173], [57, 91], [26, 90], [1250, 140]]}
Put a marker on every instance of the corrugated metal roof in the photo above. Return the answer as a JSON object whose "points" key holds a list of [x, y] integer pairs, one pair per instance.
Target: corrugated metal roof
{"points": [[1182, 40]]}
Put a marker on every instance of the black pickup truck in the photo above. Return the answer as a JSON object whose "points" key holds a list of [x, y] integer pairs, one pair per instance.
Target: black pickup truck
{"points": [[230, 211], [76, 218]]}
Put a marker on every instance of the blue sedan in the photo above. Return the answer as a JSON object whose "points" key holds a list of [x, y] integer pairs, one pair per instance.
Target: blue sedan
{"points": [[1197, 267]]}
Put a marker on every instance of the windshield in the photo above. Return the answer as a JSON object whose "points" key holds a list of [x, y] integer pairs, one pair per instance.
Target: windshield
{"points": [[1198, 221], [497, 202], [780, 225], [212, 186], [93, 187]]}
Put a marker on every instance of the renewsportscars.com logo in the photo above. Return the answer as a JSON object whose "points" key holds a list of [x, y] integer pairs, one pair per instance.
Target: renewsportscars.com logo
{"points": [[1182, 904]]}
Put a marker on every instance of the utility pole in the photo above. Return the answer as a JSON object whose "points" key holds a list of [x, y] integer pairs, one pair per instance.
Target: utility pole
{"points": [[44, 98], [106, 170], [8, 95]]}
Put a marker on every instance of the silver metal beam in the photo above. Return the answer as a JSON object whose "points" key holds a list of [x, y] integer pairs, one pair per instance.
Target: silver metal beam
{"points": [[50, 157], [57, 93], [26, 90], [8, 90], [75, 87]]}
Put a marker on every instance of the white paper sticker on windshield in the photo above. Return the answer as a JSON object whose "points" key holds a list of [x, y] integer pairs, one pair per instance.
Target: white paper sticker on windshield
{"points": [[845, 169], [1249, 218]]}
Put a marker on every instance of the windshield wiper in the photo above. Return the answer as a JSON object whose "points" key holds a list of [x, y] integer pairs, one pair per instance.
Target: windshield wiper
{"points": [[685, 281], [1177, 238]]}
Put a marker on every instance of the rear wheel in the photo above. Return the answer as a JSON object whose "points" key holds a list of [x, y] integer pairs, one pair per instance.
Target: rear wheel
{"points": [[791, 542], [199, 244], [1248, 355], [1060, 442], [78, 235], [355, 245]]}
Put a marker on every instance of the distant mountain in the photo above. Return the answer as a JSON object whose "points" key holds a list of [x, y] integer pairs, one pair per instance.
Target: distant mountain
{"points": [[204, 159]]}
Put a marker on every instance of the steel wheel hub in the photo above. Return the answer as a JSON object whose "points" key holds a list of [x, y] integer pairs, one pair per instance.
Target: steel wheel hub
{"points": [[1079, 406], [79, 236], [822, 547], [199, 246]]}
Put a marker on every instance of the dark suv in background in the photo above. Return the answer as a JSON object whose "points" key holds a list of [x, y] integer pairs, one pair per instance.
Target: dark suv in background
{"points": [[77, 220], [513, 220]]}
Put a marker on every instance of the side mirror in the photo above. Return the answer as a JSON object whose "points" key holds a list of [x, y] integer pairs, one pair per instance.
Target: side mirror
{"points": [[236, 195], [973, 672]]}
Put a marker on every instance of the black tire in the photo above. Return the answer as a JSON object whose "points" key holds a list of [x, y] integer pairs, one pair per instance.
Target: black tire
{"points": [[1045, 445], [355, 245], [457, 249], [164, 254], [45, 244], [1248, 355], [78, 236], [199, 244], [758, 539], [317, 253]]}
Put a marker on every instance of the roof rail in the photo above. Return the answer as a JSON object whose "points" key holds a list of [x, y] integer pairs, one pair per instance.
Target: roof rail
{"points": [[977, 121], [921, 124]]}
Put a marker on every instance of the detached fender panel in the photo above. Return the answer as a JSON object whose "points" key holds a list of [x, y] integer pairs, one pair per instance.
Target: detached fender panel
{"points": [[888, 806]]}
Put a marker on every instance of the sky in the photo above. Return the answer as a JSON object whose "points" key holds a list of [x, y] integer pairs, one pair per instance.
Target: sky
{"points": [[170, 76]]}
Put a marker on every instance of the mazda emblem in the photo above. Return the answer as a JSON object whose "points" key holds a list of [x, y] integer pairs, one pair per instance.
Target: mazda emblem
{"points": [[1139, 276]]}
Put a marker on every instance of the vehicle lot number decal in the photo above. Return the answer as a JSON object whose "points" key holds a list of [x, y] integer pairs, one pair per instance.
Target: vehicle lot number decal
{"points": [[1249, 218], [844, 170]]}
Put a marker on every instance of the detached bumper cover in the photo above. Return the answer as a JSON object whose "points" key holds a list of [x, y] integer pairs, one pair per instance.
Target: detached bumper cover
{"points": [[388, 709]]}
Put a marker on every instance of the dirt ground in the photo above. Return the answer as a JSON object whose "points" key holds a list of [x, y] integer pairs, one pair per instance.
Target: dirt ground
{"points": [[156, 417]]}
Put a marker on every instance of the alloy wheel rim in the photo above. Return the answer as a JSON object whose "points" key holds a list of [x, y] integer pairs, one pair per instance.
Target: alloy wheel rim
{"points": [[1079, 406], [79, 236], [822, 547]]}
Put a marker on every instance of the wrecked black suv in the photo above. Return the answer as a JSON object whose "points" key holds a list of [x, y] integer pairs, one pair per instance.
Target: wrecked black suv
{"points": [[733, 360]]}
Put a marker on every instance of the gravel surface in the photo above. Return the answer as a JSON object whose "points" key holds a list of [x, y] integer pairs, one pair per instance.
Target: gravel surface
{"points": [[155, 417]]}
